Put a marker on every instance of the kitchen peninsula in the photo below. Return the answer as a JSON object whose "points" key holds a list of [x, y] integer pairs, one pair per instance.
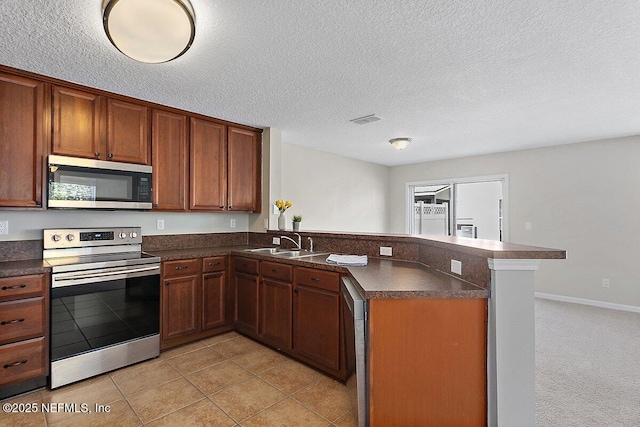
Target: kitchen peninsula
{"points": [[408, 294]]}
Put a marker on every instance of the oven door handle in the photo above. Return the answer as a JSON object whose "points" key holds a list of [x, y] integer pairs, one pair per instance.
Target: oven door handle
{"points": [[60, 280]]}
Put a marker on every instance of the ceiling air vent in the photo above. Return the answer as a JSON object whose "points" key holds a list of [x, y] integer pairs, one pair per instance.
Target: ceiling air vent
{"points": [[366, 119]]}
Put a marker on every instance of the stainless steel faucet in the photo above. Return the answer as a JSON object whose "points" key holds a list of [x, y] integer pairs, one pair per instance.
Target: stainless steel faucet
{"points": [[298, 243], [310, 243]]}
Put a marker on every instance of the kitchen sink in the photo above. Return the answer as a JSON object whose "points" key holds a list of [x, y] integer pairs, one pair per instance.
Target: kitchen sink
{"points": [[284, 253], [271, 251]]}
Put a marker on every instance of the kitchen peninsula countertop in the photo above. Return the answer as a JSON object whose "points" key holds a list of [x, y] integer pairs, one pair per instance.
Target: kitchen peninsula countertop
{"points": [[380, 279]]}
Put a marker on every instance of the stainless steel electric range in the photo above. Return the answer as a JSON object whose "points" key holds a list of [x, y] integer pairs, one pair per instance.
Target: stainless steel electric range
{"points": [[105, 301]]}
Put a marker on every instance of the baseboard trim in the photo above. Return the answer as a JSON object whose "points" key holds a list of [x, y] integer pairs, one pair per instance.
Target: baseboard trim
{"points": [[583, 301]]}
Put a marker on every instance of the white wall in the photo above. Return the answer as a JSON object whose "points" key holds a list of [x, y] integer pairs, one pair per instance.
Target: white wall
{"points": [[28, 225], [333, 193], [584, 198]]}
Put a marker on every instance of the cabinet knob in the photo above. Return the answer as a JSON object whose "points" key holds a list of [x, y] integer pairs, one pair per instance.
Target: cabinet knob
{"points": [[110, 155], [97, 154], [155, 205], [221, 207], [12, 365], [295, 291], [166, 283], [182, 267]]}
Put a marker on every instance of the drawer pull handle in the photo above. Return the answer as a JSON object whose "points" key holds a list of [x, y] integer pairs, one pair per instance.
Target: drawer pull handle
{"points": [[211, 264], [7, 288], [244, 265], [315, 279], [11, 322], [97, 154], [12, 365], [182, 267], [274, 270]]}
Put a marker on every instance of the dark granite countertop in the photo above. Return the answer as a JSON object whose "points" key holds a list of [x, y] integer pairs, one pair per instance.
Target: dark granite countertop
{"points": [[23, 268], [381, 279]]}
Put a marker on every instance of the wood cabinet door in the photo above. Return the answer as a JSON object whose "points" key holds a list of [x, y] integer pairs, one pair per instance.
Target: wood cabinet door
{"points": [[179, 307], [247, 291], [244, 175], [213, 299], [77, 124], [22, 128], [316, 325], [276, 320], [127, 132], [169, 148], [208, 161]]}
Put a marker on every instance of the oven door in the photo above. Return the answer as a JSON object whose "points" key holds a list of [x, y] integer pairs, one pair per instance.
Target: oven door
{"points": [[102, 312], [85, 183]]}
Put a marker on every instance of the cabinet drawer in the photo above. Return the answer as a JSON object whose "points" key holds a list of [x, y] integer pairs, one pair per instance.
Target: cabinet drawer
{"points": [[246, 265], [21, 319], [276, 271], [23, 286], [184, 267], [22, 360], [216, 263], [327, 280]]}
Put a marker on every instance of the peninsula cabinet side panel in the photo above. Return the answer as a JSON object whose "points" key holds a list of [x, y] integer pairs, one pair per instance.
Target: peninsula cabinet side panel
{"points": [[427, 362]]}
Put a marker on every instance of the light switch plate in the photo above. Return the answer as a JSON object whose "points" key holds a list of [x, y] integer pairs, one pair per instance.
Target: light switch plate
{"points": [[4, 227], [160, 224], [233, 223], [456, 267]]}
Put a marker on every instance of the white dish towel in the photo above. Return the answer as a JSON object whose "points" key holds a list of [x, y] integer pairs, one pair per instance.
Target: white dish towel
{"points": [[353, 260]]}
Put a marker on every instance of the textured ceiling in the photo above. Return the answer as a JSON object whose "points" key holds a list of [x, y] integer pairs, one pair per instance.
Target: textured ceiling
{"points": [[459, 77]]}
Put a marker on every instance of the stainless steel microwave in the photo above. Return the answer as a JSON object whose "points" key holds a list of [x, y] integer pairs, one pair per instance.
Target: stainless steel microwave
{"points": [[76, 183]]}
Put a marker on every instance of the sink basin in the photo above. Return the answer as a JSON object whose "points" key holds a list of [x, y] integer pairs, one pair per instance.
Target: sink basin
{"points": [[297, 254], [271, 251], [284, 253]]}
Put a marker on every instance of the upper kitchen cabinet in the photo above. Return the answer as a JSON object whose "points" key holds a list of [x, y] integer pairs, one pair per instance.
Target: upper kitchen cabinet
{"points": [[127, 132], [208, 165], [244, 170], [96, 127], [22, 126], [169, 158]]}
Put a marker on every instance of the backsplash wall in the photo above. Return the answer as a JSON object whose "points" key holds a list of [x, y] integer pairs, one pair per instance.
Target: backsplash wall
{"points": [[28, 225]]}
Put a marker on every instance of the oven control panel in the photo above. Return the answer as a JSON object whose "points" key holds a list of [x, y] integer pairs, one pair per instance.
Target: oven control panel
{"points": [[85, 237]]}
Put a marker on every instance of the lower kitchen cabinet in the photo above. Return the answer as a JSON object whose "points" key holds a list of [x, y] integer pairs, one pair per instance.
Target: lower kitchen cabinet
{"points": [[24, 342], [196, 300], [214, 294], [247, 290], [293, 309], [316, 322], [276, 313]]}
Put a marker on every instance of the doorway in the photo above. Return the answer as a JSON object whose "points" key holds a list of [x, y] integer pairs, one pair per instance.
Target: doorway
{"points": [[473, 207]]}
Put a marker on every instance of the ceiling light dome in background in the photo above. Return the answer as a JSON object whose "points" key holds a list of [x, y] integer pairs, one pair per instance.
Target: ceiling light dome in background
{"points": [[400, 143], [151, 31]]}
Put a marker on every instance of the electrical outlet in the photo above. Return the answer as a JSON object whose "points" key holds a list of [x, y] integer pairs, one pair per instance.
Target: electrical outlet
{"points": [[276, 211], [266, 223], [4, 227], [276, 241], [606, 283], [232, 223], [386, 250], [160, 224], [456, 267], [527, 225]]}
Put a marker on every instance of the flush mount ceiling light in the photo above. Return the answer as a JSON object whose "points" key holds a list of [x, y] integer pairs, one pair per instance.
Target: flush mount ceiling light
{"points": [[400, 143], [151, 31]]}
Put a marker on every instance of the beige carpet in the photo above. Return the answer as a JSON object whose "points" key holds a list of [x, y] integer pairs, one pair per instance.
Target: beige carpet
{"points": [[587, 366]]}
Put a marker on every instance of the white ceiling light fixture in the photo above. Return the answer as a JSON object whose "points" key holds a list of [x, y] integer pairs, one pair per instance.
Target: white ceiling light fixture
{"points": [[151, 31], [400, 143]]}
